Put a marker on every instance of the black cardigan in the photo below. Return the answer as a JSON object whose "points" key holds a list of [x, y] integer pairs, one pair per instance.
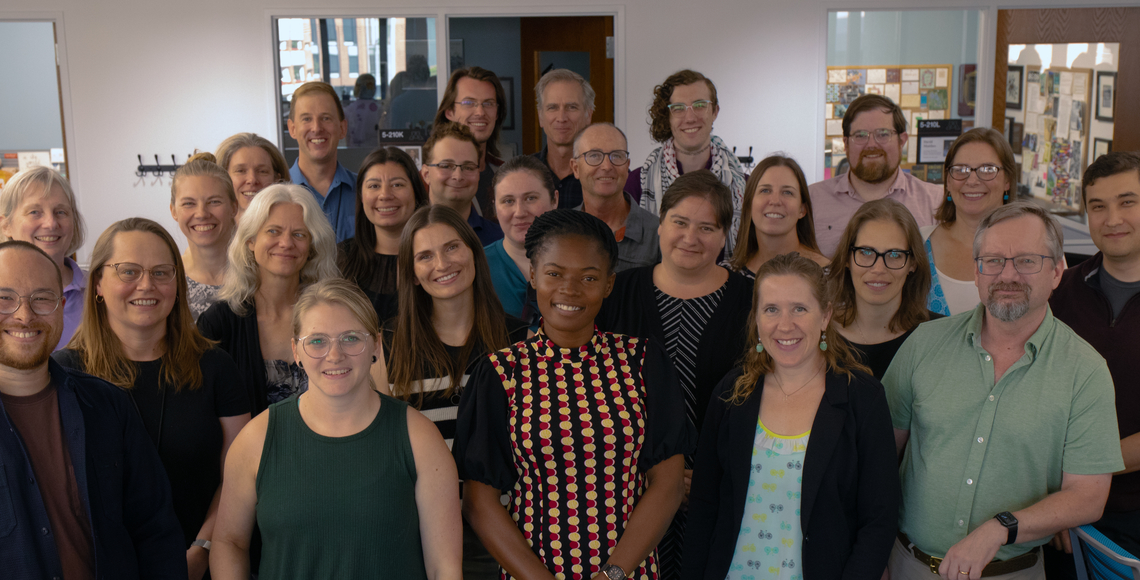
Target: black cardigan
{"points": [[631, 309], [851, 494], [237, 335]]}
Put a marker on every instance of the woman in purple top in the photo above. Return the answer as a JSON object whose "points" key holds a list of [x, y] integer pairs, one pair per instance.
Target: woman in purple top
{"points": [[38, 206]]}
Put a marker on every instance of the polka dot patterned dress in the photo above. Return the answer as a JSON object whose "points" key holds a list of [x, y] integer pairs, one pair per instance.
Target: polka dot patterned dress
{"points": [[570, 434]]}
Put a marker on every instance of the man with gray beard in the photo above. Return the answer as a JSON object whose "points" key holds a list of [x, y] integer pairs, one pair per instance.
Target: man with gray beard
{"points": [[1005, 419]]}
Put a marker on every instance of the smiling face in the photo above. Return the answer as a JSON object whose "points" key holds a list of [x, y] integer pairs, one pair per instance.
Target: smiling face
{"points": [[317, 127], [1113, 205], [874, 162], [1010, 296], [519, 198], [605, 180], [444, 265], [203, 211], [777, 204], [974, 197], [337, 373], [281, 246], [479, 119], [457, 186], [878, 284], [563, 114], [790, 321], [46, 220], [571, 276], [387, 194], [690, 236], [692, 130], [251, 170], [144, 304], [26, 338]]}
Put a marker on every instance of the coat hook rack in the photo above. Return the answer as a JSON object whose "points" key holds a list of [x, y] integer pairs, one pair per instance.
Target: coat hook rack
{"points": [[158, 169], [745, 160]]}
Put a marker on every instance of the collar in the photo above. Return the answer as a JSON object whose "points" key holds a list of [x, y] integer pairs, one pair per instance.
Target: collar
{"points": [[633, 229], [1032, 346], [340, 176], [476, 221], [845, 187], [547, 349], [78, 277]]}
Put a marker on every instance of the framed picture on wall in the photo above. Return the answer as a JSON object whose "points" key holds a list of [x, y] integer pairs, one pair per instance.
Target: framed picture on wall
{"points": [[509, 89], [1014, 81], [1100, 147], [1105, 95]]}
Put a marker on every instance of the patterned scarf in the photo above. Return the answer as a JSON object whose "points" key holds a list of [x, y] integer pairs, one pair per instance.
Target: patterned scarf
{"points": [[660, 170]]}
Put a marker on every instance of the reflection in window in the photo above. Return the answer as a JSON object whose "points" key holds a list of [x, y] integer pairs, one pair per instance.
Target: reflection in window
{"points": [[383, 68]]}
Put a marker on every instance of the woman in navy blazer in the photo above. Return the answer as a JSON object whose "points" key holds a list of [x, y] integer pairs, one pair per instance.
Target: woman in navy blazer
{"points": [[821, 504]]}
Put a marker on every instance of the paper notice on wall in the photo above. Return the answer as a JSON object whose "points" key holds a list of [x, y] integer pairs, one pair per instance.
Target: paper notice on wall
{"points": [[936, 115], [1063, 111], [911, 101], [910, 74], [1075, 136], [56, 154], [911, 153], [876, 76], [942, 77], [1032, 122], [837, 147], [893, 91], [1039, 103], [834, 127], [828, 111], [1066, 83], [1080, 86], [29, 159], [837, 76], [910, 88]]}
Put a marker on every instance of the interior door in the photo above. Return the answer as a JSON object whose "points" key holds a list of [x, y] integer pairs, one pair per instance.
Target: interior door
{"points": [[578, 43]]}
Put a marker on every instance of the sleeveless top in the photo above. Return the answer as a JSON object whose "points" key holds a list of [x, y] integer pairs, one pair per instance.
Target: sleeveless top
{"points": [[339, 507]]}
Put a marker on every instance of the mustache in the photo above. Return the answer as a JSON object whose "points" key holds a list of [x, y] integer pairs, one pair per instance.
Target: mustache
{"points": [[872, 151], [1007, 287]]}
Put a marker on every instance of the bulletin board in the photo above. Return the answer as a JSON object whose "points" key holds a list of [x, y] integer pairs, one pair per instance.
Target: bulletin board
{"points": [[1055, 142], [921, 91]]}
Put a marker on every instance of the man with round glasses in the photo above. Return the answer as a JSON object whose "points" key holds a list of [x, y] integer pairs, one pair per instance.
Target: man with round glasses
{"points": [[874, 137], [82, 489], [474, 97], [451, 172], [601, 163], [1004, 417]]}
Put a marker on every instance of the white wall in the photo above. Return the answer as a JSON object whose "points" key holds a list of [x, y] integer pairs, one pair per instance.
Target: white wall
{"points": [[163, 76]]}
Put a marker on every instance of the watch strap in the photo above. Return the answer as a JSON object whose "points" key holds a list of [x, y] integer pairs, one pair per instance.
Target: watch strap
{"points": [[614, 572], [204, 544], [1007, 520]]}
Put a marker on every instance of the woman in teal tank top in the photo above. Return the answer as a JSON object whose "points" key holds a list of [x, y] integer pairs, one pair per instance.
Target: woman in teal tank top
{"points": [[342, 481]]}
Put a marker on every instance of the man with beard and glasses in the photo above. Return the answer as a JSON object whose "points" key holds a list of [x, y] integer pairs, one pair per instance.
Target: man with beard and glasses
{"points": [[83, 493], [874, 134], [1010, 417]]}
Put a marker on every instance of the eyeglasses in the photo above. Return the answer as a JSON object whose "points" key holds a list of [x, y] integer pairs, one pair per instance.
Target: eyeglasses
{"points": [[595, 157], [129, 272], [697, 107], [449, 166], [1023, 264], [488, 105], [42, 302], [984, 172], [882, 136], [352, 343], [893, 259]]}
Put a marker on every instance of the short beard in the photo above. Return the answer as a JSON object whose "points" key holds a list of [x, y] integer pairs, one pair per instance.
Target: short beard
{"points": [[1008, 311], [875, 174], [36, 358]]}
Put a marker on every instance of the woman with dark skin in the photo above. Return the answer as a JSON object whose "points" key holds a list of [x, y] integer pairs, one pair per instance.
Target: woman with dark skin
{"points": [[615, 403]]}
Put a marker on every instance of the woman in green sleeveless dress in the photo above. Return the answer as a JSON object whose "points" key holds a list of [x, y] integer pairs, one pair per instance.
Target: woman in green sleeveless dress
{"points": [[342, 481]]}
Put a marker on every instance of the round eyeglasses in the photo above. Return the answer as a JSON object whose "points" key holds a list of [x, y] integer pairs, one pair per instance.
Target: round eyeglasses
{"points": [[42, 302], [882, 136], [595, 157], [1023, 264], [865, 257], [128, 272], [984, 172], [352, 343]]}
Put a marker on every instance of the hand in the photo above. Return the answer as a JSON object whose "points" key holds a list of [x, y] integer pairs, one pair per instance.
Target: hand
{"points": [[198, 561], [1061, 541], [886, 574], [966, 559], [688, 483]]}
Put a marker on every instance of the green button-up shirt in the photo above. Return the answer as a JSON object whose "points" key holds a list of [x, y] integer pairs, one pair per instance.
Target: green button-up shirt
{"points": [[977, 448]]}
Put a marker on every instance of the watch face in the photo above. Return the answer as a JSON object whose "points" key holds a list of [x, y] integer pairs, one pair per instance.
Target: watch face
{"points": [[1006, 519]]}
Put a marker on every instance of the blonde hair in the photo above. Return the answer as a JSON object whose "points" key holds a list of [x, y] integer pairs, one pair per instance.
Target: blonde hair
{"points": [[235, 143], [100, 348], [243, 277], [338, 292], [204, 165], [17, 188]]}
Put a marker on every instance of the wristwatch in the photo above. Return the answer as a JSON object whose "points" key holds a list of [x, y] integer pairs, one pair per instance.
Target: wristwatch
{"points": [[1006, 519], [614, 572], [204, 544]]}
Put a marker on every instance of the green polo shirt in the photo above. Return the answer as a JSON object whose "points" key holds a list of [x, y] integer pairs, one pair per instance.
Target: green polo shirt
{"points": [[977, 449]]}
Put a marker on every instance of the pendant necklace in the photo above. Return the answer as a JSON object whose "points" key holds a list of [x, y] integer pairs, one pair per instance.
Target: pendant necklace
{"points": [[786, 394]]}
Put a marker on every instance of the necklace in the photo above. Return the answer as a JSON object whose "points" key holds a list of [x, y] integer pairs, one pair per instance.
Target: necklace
{"points": [[697, 151], [859, 329], [787, 394]]}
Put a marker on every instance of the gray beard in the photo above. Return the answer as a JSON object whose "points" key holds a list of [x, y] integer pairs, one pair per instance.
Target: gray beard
{"points": [[1008, 311]]}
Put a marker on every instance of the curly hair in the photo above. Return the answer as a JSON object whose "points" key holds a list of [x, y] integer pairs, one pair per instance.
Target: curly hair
{"points": [[659, 127]]}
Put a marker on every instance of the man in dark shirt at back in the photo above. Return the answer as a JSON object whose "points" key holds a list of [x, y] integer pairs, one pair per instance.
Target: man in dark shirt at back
{"points": [[565, 107], [82, 491]]}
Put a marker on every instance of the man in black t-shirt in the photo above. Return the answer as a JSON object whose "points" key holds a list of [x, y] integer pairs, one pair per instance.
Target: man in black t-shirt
{"points": [[81, 489]]}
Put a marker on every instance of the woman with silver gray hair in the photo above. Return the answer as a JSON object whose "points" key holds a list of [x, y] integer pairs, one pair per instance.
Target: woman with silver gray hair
{"points": [[283, 243], [38, 206]]}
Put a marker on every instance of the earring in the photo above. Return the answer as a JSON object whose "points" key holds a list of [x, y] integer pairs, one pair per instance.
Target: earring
{"points": [[1005, 197], [373, 359], [759, 347], [98, 298], [823, 341], [948, 198]]}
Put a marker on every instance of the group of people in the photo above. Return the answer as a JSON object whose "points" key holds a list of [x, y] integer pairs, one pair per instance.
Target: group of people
{"points": [[556, 367]]}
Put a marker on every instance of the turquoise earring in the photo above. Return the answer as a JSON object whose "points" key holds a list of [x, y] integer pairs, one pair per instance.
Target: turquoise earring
{"points": [[759, 347], [823, 341], [948, 198]]}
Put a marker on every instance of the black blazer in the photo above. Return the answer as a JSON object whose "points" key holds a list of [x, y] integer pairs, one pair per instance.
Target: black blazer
{"points": [[631, 309], [850, 499], [238, 336]]}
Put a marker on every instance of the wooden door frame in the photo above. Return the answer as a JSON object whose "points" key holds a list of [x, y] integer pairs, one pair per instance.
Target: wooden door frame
{"points": [[1075, 25]]}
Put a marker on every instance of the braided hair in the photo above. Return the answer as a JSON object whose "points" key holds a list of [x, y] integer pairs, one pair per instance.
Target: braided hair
{"points": [[568, 222]]}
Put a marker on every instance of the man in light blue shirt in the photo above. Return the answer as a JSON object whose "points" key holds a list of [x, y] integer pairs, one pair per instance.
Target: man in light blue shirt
{"points": [[316, 121]]}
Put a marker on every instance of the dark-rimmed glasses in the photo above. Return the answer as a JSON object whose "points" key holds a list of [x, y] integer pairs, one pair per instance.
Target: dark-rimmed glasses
{"points": [[449, 166], [698, 107], [129, 272], [595, 157], [1023, 264], [352, 343], [984, 172], [42, 302], [865, 257]]}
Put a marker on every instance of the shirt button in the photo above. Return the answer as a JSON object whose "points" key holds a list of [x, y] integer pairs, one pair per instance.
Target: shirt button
{"points": [[960, 522], [969, 482], [987, 358], [981, 439], [991, 397], [44, 531]]}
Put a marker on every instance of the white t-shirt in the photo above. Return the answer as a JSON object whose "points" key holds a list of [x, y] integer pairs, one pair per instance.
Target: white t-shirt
{"points": [[961, 295]]}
